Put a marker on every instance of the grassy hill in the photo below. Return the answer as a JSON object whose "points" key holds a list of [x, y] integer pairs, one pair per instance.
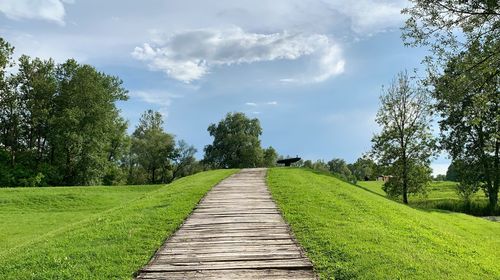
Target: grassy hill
{"points": [[92, 232], [440, 195], [352, 233]]}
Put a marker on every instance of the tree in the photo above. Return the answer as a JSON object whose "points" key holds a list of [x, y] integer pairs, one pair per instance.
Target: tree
{"points": [[153, 147], [270, 157], [9, 105], [236, 142], [307, 164], [469, 106], [184, 162], [36, 85], [464, 37], [468, 177], [435, 24], [82, 123], [405, 143], [452, 172], [339, 166], [364, 169]]}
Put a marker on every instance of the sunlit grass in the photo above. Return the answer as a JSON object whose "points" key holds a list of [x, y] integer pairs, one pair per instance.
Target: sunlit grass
{"points": [[92, 232], [440, 195], [352, 233]]}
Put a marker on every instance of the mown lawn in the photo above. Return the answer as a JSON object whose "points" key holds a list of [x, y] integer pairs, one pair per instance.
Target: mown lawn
{"points": [[351, 233], [92, 232], [440, 195]]}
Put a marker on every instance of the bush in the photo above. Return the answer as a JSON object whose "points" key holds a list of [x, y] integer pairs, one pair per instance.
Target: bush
{"points": [[466, 190], [32, 181]]}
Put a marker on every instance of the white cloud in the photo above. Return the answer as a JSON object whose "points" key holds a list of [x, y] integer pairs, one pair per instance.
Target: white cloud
{"points": [[369, 16], [287, 80], [159, 98], [52, 10], [188, 56], [254, 104]]}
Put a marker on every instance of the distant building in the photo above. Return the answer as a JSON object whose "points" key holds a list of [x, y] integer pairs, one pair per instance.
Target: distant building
{"points": [[384, 178]]}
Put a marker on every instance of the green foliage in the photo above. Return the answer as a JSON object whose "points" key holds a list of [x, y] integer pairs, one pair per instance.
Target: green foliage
{"points": [[419, 177], [184, 162], [452, 172], [468, 103], [451, 25], [153, 148], [350, 233], [93, 232], [270, 156], [236, 142], [57, 123], [364, 169], [464, 72], [440, 195], [405, 143], [339, 166]]}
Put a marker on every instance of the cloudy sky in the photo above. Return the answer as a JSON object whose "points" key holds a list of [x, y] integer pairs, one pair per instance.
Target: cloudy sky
{"points": [[310, 70]]}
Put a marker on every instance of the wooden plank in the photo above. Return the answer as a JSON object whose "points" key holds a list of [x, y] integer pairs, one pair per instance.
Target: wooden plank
{"points": [[238, 274], [224, 257], [298, 263]]}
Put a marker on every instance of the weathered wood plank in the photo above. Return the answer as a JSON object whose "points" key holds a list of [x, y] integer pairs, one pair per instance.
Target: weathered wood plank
{"points": [[237, 274], [236, 232], [159, 266]]}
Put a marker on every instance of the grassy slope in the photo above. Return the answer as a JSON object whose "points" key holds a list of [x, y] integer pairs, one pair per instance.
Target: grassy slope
{"points": [[27, 213], [96, 232], [441, 195], [444, 190], [351, 233]]}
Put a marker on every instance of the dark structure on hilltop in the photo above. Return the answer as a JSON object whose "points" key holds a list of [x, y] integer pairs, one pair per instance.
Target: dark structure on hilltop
{"points": [[288, 161]]}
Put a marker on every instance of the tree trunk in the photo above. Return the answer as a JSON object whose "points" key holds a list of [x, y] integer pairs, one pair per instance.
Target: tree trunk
{"points": [[405, 173], [496, 170], [493, 198], [153, 175], [405, 191]]}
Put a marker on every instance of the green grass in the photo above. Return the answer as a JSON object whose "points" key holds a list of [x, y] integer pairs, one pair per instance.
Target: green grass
{"points": [[92, 232], [440, 195], [352, 233]]}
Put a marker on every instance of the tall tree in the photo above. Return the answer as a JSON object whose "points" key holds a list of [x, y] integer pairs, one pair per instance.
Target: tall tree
{"points": [[469, 106], [36, 85], [270, 156], [9, 105], [153, 147], [464, 37], [236, 142], [184, 162], [82, 122], [405, 143]]}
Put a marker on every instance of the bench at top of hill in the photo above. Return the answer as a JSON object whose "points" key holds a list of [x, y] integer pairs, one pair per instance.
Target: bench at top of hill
{"points": [[351, 233]]}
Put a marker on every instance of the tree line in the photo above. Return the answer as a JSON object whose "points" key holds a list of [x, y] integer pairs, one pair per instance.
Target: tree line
{"points": [[59, 126]]}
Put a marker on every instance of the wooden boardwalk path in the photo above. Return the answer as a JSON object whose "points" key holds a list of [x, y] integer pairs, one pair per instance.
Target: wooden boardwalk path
{"points": [[236, 232]]}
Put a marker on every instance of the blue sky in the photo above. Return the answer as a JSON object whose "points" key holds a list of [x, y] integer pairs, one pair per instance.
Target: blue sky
{"points": [[310, 70]]}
